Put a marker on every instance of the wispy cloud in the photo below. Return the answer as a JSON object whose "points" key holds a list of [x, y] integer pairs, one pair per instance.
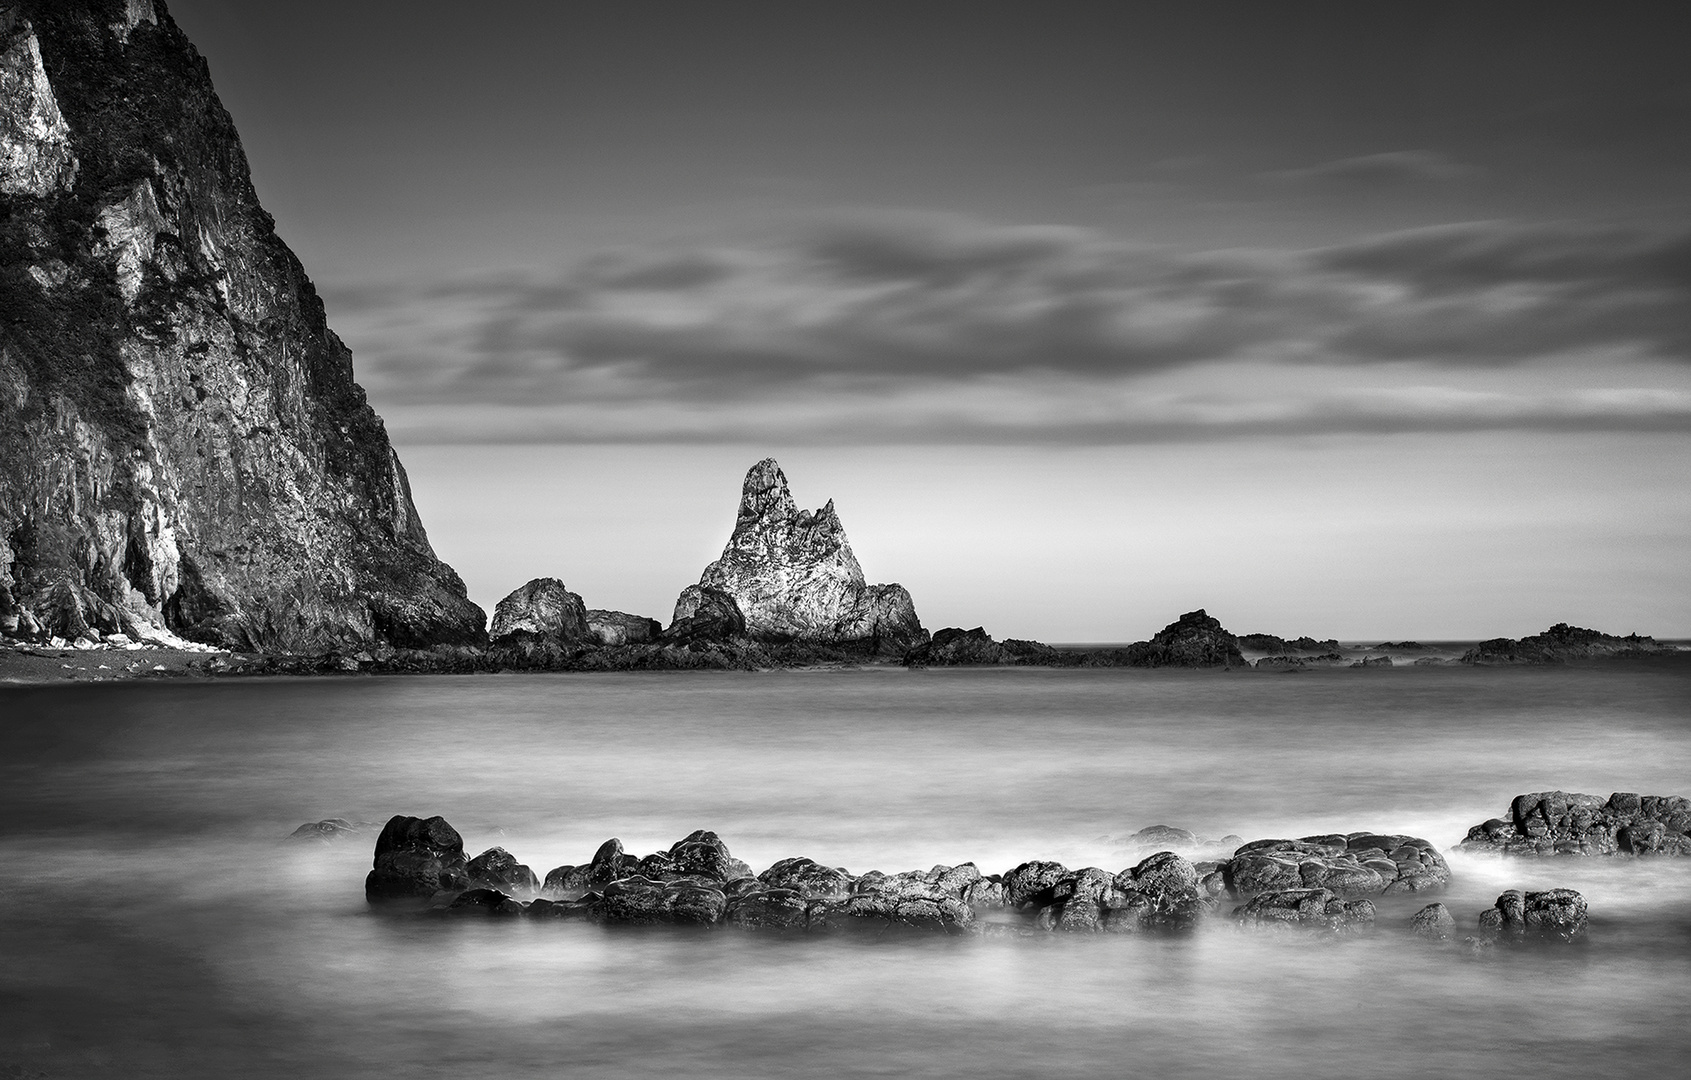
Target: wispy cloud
{"points": [[1392, 168], [976, 331]]}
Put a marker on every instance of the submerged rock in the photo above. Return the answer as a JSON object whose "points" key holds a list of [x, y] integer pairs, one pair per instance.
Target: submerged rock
{"points": [[1353, 864], [542, 609], [415, 859], [792, 576], [329, 830], [1564, 823], [1555, 915]]}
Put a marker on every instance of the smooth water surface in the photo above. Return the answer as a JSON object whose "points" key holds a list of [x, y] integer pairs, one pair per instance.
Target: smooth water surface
{"points": [[154, 923]]}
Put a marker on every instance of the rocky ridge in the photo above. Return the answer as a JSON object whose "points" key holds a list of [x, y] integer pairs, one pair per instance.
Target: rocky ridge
{"points": [[183, 449], [1563, 644], [1564, 823]]}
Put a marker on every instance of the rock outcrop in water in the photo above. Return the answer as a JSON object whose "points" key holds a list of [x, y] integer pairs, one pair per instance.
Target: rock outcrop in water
{"points": [[1564, 823], [792, 576], [954, 647], [182, 444], [1196, 639], [1349, 865], [621, 628], [1556, 915], [542, 609], [416, 858], [1563, 644], [1319, 882]]}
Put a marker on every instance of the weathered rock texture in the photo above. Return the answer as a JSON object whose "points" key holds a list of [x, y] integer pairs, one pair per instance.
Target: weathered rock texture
{"points": [[1309, 909], [542, 608], [793, 577], [1354, 864], [182, 443], [1564, 823], [621, 628], [1554, 915], [1561, 644]]}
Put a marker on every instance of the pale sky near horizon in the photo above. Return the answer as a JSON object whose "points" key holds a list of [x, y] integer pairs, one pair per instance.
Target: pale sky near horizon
{"points": [[1336, 319]]}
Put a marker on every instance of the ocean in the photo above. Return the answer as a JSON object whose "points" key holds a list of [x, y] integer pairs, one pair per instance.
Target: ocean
{"points": [[155, 922]]}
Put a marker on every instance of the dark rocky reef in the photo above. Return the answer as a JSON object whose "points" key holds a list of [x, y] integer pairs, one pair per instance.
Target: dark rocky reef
{"points": [[182, 445], [1196, 639], [792, 577], [1563, 823], [1562, 644], [954, 647], [543, 610], [1274, 645], [1347, 864]]}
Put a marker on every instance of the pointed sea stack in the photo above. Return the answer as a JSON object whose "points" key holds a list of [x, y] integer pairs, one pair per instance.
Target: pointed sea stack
{"points": [[182, 443], [793, 576]]}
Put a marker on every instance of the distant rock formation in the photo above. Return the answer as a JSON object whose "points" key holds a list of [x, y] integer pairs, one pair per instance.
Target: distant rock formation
{"points": [[621, 628], [954, 647], [182, 444], [1274, 645], [544, 609], [1560, 644], [1194, 640], [792, 576], [1569, 823]]}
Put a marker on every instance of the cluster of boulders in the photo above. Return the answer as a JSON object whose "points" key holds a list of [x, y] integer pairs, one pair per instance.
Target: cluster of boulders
{"points": [[1321, 881], [1564, 823]]}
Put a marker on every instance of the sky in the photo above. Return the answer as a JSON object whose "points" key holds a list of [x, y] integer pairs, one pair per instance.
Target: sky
{"points": [[1354, 320]]}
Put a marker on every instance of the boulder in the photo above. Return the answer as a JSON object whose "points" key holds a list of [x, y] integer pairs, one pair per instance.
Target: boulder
{"points": [[1314, 909], [641, 901], [808, 879], [1029, 884], [703, 854], [565, 883], [415, 859], [498, 869], [608, 864], [542, 609], [793, 577], [1353, 864], [621, 628], [1569, 823], [1557, 915], [705, 614], [1433, 922], [1193, 640]]}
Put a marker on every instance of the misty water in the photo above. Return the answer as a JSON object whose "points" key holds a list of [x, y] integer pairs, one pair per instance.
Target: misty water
{"points": [[156, 924]]}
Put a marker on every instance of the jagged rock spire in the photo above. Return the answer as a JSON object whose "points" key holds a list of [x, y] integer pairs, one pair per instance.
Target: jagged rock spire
{"points": [[794, 577]]}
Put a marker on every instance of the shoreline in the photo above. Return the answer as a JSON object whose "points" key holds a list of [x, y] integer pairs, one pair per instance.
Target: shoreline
{"points": [[36, 665]]}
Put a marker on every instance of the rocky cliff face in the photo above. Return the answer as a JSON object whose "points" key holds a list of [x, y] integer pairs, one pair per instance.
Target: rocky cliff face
{"points": [[182, 443], [793, 576]]}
